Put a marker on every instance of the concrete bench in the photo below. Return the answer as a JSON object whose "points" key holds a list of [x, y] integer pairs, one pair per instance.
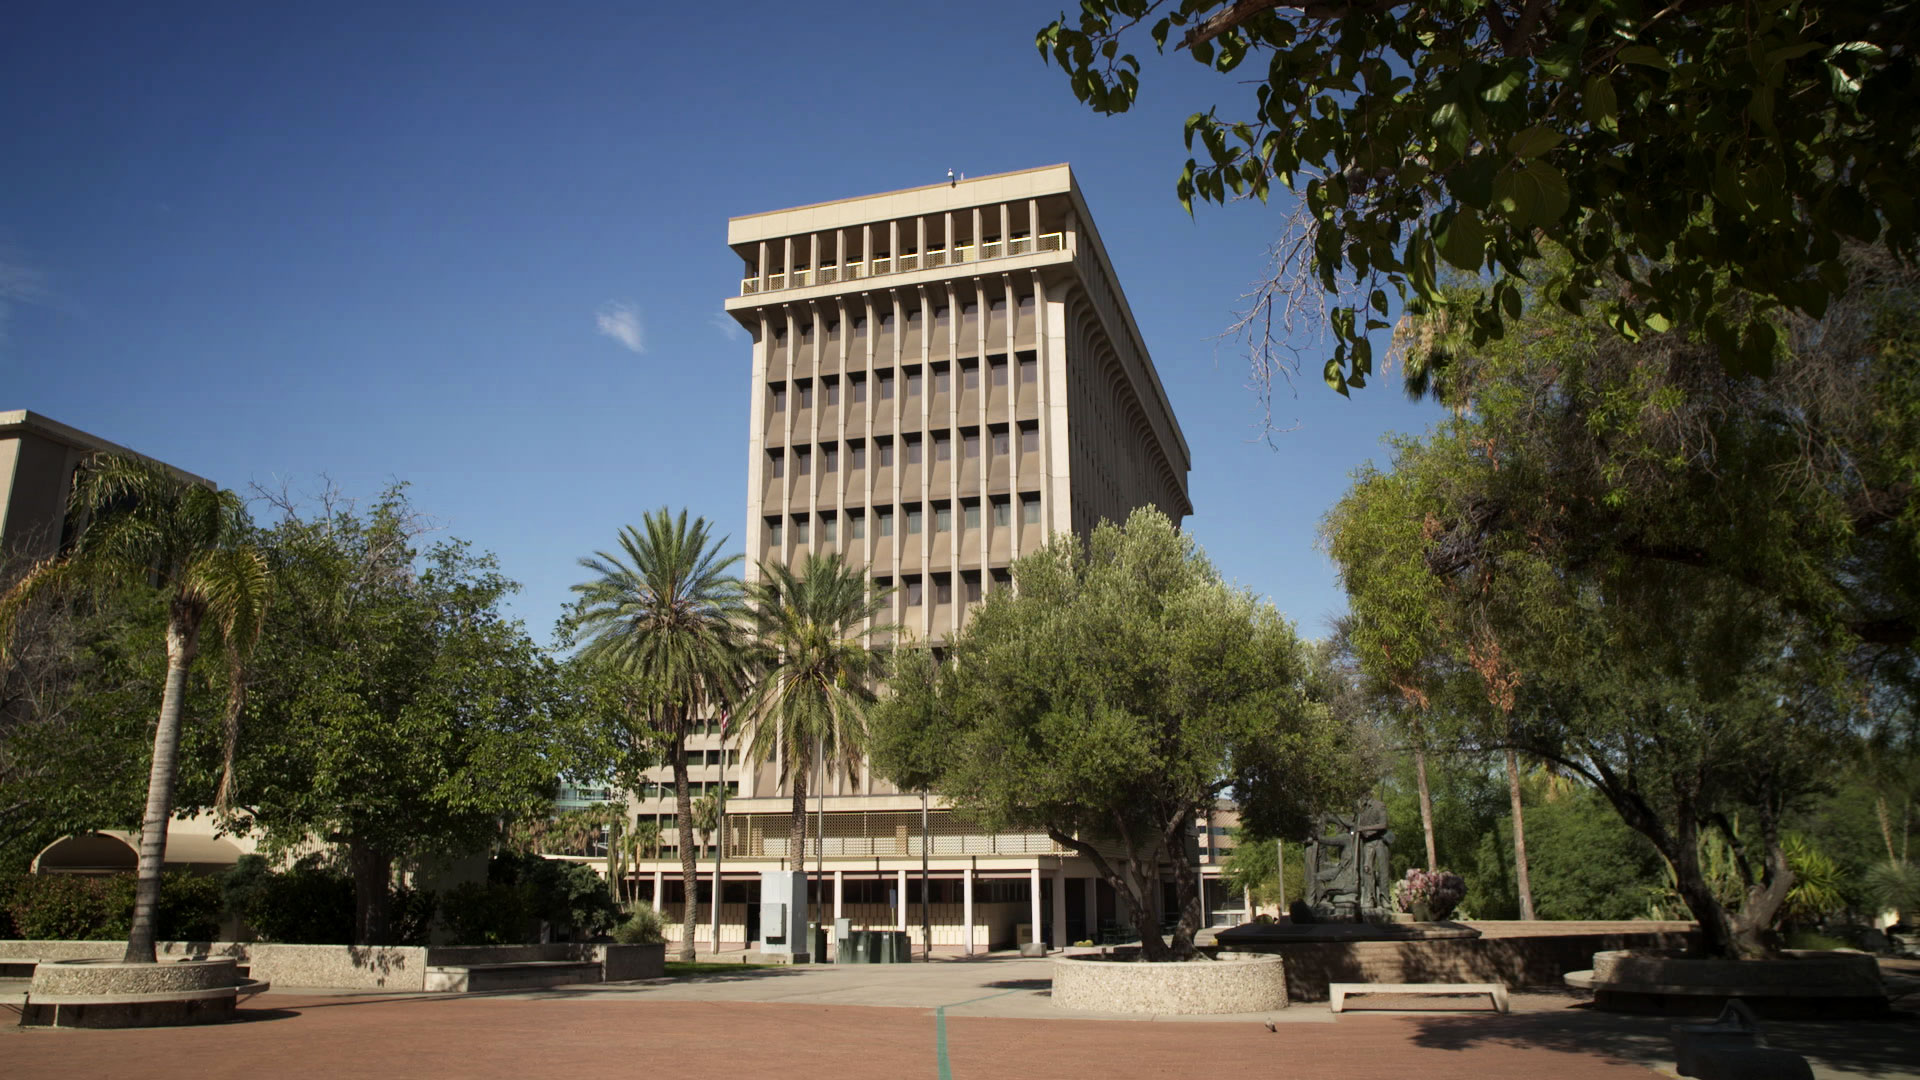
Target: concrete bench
{"points": [[1337, 992], [528, 975]]}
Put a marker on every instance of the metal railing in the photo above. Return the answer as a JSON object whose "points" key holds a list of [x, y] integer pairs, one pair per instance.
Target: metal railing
{"points": [[935, 257], [870, 833]]}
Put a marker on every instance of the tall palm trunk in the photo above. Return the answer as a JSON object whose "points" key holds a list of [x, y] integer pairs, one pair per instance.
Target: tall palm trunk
{"points": [[689, 877], [797, 825], [183, 643], [1519, 837], [1426, 805]]}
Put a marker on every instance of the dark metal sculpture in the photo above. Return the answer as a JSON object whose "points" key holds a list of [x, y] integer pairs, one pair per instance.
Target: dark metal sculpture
{"points": [[1349, 870]]}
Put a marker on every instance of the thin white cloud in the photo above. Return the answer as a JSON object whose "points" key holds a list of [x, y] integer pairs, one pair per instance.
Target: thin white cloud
{"points": [[724, 323], [20, 283], [621, 322]]}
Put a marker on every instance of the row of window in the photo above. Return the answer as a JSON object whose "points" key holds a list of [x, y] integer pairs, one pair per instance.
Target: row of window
{"points": [[999, 512], [914, 587], [663, 789], [942, 316], [884, 381], [999, 440]]}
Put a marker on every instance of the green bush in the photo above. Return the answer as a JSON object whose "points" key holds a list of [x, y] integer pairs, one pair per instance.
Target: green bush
{"points": [[490, 914], [521, 892], [642, 927], [69, 907], [410, 915], [307, 903]]}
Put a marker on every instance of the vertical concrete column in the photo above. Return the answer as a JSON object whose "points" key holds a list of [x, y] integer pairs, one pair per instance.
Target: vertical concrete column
{"points": [[813, 261], [793, 405], [901, 906], [893, 252], [986, 437], [840, 263], [839, 893], [1033, 224], [926, 455], [762, 271], [1055, 440], [946, 224], [817, 476], [659, 887], [920, 241], [1060, 910], [956, 456], [1033, 878], [1093, 909], [866, 257], [1006, 231], [966, 908], [757, 444], [977, 239], [786, 265], [898, 542]]}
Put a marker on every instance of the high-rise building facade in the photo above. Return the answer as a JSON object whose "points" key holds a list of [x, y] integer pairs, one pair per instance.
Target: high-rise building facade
{"points": [[942, 378]]}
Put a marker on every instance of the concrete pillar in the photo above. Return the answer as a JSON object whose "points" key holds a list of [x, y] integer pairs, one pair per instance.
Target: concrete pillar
{"points": [[966, 909], [1033, 880], [1060, 910], [1093, 909], [659, 886], [901, 907], [839, 892]]}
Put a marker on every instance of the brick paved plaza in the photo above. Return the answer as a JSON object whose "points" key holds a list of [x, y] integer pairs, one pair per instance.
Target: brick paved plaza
{"points": [[830, 1023]]}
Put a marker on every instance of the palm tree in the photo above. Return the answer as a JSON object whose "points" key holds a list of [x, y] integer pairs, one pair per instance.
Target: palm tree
{"points": [[817, 683], [146, 523], [665, 612]]}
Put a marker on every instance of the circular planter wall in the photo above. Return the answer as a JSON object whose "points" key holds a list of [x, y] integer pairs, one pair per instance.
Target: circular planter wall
{"points": [[107, 994], [1235, 983]]}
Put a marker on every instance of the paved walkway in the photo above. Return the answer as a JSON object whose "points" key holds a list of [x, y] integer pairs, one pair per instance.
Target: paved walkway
{"points": [[980, 1019]]}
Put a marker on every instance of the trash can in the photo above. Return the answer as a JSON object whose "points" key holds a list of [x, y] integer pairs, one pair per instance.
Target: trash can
{"points": [[859, 947]]}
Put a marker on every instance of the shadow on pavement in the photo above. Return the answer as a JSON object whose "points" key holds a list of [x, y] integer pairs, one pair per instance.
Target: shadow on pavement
{"points": [[1876, 1048], [1021, 984]]}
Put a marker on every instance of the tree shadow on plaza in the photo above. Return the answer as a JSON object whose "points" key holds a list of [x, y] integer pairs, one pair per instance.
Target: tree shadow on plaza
{"points": [[1887, 1047], [1023, 984]]}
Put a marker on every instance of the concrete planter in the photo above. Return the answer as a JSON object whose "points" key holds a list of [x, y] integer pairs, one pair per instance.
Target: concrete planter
{"points": [[1235, 983], [111, 994], [1799, 983]]}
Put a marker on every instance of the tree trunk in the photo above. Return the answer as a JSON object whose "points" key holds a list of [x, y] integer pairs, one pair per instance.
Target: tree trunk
{"points": [[1519, 837], [372, 893], [1886, 825], [1426, 805], [1186, 891], [689, 877], [1764, 897], [797, 822], [183, 642], [1131, 886]]}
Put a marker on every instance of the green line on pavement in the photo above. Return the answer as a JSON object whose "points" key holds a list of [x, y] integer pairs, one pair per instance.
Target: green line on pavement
{"points": [[940, 1031]]}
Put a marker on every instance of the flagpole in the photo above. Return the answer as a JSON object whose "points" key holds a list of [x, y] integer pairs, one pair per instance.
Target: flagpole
{"points": [[720, 848]]}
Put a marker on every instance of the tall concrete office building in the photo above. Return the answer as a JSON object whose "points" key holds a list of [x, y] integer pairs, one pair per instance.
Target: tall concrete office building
{"points": [[942, 378]]}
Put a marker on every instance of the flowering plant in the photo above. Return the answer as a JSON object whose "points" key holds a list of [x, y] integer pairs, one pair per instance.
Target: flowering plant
{"points": [[1439, 891]]}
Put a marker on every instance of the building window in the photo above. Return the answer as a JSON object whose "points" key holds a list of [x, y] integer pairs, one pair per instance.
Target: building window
{"points": [[941, 381], [913, 449], [859, 329], [883, 517], [1029, 438], [886, 386], [970, 444], [779, 397], [913, 520], [943, 589], [856, 525], [940, 316], [773, 532], [885, 447], [969, 376], [832, 387], [1002, 513], [830, 458], [1029, 509], [913, 591], [942, 517], [859, 382], [856, 455], [829, 529], [942, 446], [970, 515], [913, 382], [800, 528], [972, 584], [999, 372], [777, 463], [1000, 442], [805, 386], [1029, 370], [802, 461]]}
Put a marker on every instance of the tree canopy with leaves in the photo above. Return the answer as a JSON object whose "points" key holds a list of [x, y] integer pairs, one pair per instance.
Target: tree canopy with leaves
{"points": [[1687, 151], [1110, 700], [1676, 582]]}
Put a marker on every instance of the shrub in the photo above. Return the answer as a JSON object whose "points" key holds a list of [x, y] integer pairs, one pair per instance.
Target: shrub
{"points": [[410, 915], [642, 927], [490, 914], [308, 903], [69, 907]]}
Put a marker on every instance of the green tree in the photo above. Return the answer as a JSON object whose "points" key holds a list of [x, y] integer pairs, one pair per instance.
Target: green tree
{"points": [[190, 540], [665, 614], [397, 713], [1417, 133], [1112, 697], [1683, 578], [810, 702]]}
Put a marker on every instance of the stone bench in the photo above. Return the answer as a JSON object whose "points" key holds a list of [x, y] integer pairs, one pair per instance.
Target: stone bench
{"points": [[1337, 992], [526, 975]]}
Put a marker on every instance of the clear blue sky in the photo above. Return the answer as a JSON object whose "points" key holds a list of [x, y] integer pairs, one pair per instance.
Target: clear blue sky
{"points": [[375, 242]]}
